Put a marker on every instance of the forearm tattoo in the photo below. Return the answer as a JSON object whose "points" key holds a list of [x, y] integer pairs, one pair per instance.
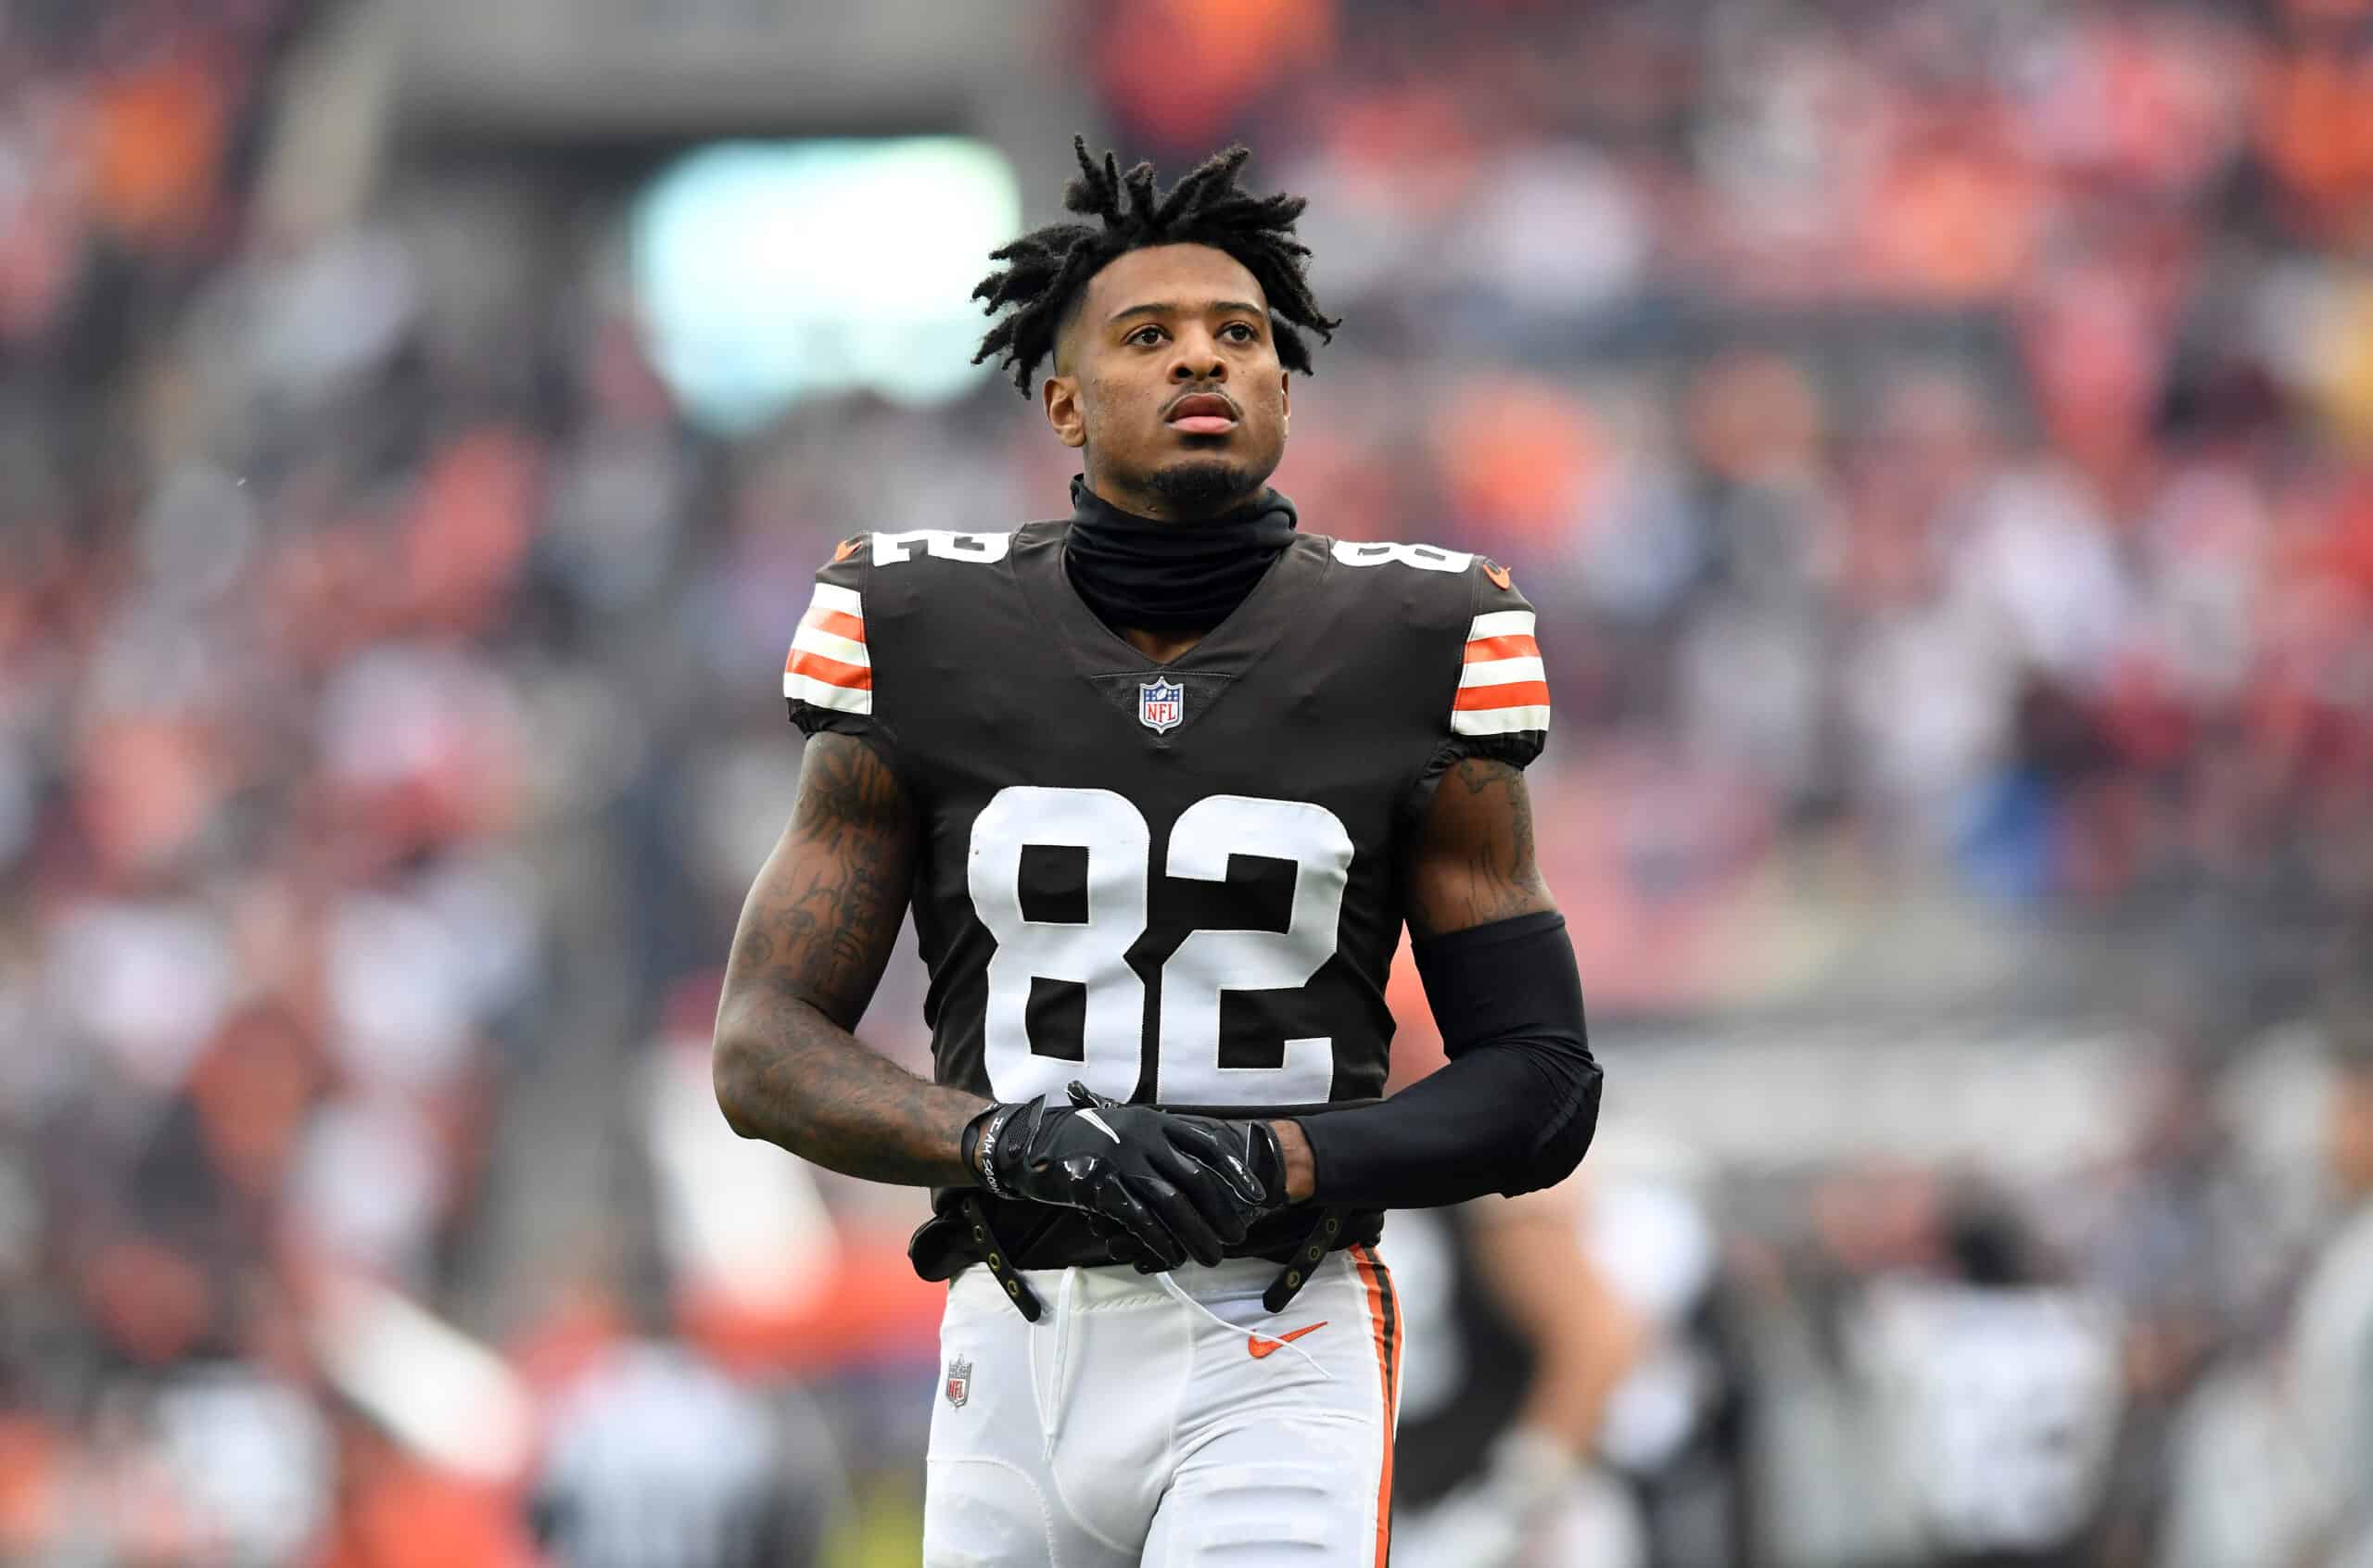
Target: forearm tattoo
{"points": [[1475, 859], [815, 934]]}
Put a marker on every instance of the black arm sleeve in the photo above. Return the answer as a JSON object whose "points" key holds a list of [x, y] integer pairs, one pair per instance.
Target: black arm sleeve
{"points": [[1515, 1108]]}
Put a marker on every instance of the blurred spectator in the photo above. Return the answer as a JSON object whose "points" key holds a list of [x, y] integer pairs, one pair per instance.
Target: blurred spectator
{"points": [[1958, 1404], [2278, 1438], [654, 1455], [2331, 1352]]}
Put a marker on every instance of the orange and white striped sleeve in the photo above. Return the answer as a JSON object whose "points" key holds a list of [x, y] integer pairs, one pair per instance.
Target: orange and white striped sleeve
{"points": [[828, 665], [1502, 702], [1502, 688], [828, 675]]}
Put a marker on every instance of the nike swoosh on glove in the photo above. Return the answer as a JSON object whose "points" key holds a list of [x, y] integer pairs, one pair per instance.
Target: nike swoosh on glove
{"points": [[1178, 1190], [1251, 1146]]}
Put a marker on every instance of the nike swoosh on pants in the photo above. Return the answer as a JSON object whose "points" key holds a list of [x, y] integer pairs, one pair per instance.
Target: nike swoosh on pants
{"points": [[1261, 1346]]}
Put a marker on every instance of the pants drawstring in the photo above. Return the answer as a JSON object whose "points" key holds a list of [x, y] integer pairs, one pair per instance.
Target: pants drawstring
{"points": [[1051, 1423]]}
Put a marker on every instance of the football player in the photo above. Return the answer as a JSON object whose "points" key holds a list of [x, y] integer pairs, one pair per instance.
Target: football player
{"points": [[1519, 1340], [1161, 780]]}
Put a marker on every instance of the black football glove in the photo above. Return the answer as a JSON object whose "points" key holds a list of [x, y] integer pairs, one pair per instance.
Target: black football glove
{"points": [[1253, 1145], [1174, 1184]]}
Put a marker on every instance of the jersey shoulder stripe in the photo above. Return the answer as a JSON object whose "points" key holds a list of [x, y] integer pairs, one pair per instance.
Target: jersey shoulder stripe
{"points": [[1501, 687], [828, 664]]}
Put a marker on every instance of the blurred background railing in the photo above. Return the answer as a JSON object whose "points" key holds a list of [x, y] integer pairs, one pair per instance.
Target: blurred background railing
{"points": [[1938, 437]]}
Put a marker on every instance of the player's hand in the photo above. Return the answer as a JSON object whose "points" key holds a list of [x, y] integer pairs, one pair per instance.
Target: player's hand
{"points": [[1469, 1528], [1486, 1521], [1175, 1187], [1252, 1146]]}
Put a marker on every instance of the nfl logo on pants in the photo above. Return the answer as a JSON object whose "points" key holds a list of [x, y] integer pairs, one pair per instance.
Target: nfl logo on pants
{"points": [[960, 1380], [1160, 704]]}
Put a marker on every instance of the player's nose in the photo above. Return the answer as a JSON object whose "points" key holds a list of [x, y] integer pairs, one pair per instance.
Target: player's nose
{"points": [[1199, 361]]}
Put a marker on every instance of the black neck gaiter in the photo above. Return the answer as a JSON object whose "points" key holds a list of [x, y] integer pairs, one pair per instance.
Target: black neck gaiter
{"points": [[1172, 577]]}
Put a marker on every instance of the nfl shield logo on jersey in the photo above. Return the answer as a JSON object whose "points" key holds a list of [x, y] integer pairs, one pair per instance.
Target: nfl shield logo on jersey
{"points": [[960, 1380], [1160, 704]]}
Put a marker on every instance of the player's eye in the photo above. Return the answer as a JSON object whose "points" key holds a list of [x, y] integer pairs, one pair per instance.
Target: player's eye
{"points": [[1244, 327], [1141, 332]]}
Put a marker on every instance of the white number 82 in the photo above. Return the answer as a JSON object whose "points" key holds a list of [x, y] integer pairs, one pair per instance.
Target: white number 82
{"points": [[1093, 954]]}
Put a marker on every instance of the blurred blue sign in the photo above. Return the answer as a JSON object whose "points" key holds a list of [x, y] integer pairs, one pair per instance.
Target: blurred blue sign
{"points": [[771, 272]]}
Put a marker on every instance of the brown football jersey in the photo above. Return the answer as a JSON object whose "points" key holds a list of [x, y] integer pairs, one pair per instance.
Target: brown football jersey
{"points": [[1179, 883]]}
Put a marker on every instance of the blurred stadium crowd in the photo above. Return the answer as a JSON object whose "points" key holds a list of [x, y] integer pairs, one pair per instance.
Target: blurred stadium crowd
{"points": [[1938, 437]]}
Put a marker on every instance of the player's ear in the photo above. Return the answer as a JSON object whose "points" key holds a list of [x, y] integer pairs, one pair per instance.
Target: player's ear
{"points": [[1285, 401], [1060, 394]]}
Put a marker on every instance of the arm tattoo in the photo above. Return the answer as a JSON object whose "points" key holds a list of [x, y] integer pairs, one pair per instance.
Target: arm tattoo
{"points": [[1473, 861], [815, 934]]}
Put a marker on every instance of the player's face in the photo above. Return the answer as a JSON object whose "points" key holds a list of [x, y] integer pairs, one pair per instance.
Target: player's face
{"points": [[1168, 377]]}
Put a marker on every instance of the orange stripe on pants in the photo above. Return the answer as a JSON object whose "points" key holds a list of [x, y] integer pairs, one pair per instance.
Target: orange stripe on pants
{"points": [[1383, 1320]]}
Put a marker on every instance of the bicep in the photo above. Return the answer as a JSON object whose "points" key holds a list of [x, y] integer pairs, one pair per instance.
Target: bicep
{"points": [[823, 914], [1473, 863]]}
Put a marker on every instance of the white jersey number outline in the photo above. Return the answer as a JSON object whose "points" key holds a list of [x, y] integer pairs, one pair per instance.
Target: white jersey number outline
{"points": [[941, 544], [1424, 556]]}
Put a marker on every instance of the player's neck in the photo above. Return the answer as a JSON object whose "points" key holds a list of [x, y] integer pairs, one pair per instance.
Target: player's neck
{"points": [[1152, 506]]}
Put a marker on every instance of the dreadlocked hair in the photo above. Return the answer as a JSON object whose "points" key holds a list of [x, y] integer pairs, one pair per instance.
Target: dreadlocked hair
{"points": [[1047, 268]]}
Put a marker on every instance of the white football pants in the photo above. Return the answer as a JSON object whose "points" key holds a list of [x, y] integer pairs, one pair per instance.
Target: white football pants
{"points": [[1166, 1421]]}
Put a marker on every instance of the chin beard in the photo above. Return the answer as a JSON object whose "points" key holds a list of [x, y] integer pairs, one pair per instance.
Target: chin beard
{"points": [[1204, 486]]}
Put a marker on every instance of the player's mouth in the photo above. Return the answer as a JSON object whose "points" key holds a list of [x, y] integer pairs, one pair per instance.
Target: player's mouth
{"points": [[1202, 413]]}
